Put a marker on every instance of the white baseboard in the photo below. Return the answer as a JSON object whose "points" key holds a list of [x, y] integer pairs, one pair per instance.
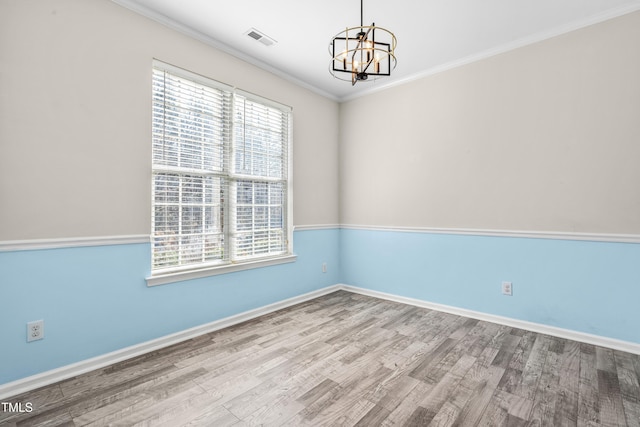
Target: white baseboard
{"points": [[601, 341], [65, 372], [46, 378]]}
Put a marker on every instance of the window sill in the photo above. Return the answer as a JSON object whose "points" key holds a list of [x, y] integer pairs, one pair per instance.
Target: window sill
{"points": [[179, 276]]}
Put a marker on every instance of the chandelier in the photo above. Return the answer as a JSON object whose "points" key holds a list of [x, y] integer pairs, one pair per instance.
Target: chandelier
{"points": [[362, 53]]}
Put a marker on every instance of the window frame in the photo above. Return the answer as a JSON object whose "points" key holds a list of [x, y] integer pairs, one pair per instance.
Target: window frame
{"points": [[199, 270]]}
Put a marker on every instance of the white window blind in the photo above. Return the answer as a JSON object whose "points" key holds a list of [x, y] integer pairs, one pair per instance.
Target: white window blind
{"points": [[220, 174]]}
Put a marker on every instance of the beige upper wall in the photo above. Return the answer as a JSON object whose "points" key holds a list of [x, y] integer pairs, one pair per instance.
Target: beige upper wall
{"points": [[75, 119], [542, 138], [545, 137]]}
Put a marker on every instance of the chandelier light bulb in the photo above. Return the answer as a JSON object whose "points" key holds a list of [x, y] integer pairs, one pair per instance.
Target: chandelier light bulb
{"points": [[367, 44]]}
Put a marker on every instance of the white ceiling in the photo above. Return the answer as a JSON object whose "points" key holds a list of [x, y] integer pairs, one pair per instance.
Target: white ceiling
{"points": [[433, 35]]}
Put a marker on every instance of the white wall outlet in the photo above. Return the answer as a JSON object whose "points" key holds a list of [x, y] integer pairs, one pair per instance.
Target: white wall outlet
{"points": [[507, 288], [35, 330], [324, 267]]}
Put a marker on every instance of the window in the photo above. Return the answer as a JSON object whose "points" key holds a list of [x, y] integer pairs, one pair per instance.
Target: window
{"points": [[220, 176]]}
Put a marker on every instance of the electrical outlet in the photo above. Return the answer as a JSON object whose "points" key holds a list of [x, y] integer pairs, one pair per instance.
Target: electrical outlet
{"points": [[507, 288], [35, 330], [324, 267]]}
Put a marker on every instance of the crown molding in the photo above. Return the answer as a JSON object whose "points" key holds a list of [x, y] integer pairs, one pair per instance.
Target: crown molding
{"points": [[541, 36], [516, 44], [210, 41]]}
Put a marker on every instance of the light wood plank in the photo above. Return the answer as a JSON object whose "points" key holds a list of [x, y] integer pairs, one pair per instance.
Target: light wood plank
{"points": [[348, 359], [588, 397]]}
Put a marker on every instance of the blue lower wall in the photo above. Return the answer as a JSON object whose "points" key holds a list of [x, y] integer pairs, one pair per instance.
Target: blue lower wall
{"points": [[591, 287], [94, 300]]}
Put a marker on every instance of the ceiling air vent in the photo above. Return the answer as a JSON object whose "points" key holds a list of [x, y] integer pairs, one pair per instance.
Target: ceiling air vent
{"points": [[261, 37]]}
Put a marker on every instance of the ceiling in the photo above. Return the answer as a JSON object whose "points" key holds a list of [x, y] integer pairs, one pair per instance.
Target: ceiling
{"points": [[433, 35]]}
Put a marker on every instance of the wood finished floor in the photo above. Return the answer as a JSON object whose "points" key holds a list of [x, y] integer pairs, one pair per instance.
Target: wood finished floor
{"points": [[346, 359]]}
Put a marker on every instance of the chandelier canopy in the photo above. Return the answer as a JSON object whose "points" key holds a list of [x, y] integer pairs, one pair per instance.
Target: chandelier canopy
{"points": [[362, 53]]}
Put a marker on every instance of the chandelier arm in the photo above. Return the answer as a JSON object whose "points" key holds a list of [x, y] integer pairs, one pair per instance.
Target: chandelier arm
{"points": [[367, 49]]}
